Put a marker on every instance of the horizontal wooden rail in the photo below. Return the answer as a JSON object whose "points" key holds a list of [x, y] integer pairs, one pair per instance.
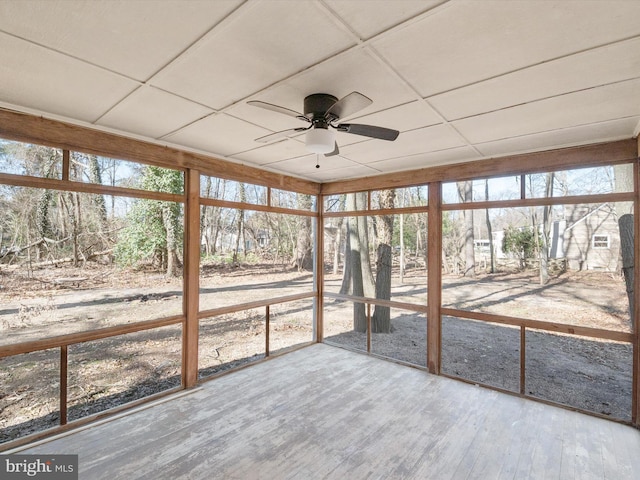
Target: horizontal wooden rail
{"points": [[71, 186], [600, 333], [239, 307], [543, 201], [377, 301], [88, 336], [251, 206], [483, 205], [379, 212]]}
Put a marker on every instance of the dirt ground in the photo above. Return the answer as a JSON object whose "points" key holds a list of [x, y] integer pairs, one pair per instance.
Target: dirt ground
{"points": [[588, 374]]}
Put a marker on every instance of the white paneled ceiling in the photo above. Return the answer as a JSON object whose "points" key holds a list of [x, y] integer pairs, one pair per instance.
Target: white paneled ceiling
{"points": [[461, 80]]}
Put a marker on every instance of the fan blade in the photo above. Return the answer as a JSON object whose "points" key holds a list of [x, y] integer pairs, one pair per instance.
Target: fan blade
{"points": [[352, 103], [335, 151], [281, 134], [369, 131], [279, 109]]}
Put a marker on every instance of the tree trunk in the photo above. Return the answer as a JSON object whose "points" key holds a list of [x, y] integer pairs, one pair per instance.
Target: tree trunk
{"points": [[363, 237], [303, 258], [43, 224], [359, 312], [336, 247], [170, 219], [381, 320], [626, 246], [546, 232], [77, 229], [492, 253], [95, 174], [239, 225], [623, 182], [465, 192], [205, 225], [345, 288], [402, 258], [72, 215]]}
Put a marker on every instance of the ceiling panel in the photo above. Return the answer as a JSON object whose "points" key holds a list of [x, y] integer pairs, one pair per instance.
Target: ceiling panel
{"points": [[129, 37], [428, 139], [423, 160], [619, 100], [596, 132], [355, 70], [409, 116], [167, 111], [252, 52], [273, 121], [37, 78], [470, 41], [219, 134], [306, 165], [375, 16], [273, 152], [612, 63], [355, 171]]}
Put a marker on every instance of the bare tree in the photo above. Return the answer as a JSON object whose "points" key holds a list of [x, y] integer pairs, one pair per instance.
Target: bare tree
{"points": [[240, 225], [492, 253], [303, 256], [381, 320], [357, 276], [546, 231], [465, 192], [623, 182], [357, 242]]}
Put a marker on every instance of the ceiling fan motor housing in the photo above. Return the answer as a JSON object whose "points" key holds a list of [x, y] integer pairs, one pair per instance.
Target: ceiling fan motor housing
{"points": [[315, 107]]}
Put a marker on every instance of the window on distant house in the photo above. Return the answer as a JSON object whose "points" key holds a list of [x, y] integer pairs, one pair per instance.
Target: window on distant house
{"points": [[600, 241]]}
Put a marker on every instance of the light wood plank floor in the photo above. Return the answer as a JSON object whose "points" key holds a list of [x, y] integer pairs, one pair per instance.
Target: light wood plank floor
{"points": [[324, 412]]}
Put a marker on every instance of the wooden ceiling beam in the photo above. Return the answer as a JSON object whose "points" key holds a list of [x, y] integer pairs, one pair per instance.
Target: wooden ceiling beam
{"points": [[551, 160], [33, 129]]}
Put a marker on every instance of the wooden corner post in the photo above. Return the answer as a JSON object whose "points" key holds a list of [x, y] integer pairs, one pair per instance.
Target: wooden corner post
{"points": [[434, 279], [191, 279], [319, 271], [635, 395]]}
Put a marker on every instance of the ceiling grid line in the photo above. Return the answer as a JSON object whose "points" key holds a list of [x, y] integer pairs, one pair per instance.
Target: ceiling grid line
{"points": [[379, 57], [533, 65], [72, 57]]}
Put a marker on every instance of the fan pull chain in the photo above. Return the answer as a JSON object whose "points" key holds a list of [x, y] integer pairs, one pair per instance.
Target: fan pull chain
{"points": [[317, 161]]}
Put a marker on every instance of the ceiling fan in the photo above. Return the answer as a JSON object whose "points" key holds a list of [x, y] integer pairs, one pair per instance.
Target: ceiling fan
{"points": [[321, 112]]}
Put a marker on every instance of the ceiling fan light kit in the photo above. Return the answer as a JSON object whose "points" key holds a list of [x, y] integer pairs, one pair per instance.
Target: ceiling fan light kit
{"points": [[320, 140], [321, 111]]}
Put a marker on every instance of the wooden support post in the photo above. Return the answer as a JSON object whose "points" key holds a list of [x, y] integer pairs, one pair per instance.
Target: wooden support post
{"points": [[368, 328], [635, 396], [191, 279], [65, 165], [64, 363], [266, 331], [319, 271], [523, 358], [434, 279]]}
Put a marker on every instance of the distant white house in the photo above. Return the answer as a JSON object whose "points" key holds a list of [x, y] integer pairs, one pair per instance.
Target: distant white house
{"points": [[588, 237]]}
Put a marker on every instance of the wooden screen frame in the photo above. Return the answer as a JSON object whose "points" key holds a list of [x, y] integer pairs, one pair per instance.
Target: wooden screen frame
{"points": [[32, 129]]}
